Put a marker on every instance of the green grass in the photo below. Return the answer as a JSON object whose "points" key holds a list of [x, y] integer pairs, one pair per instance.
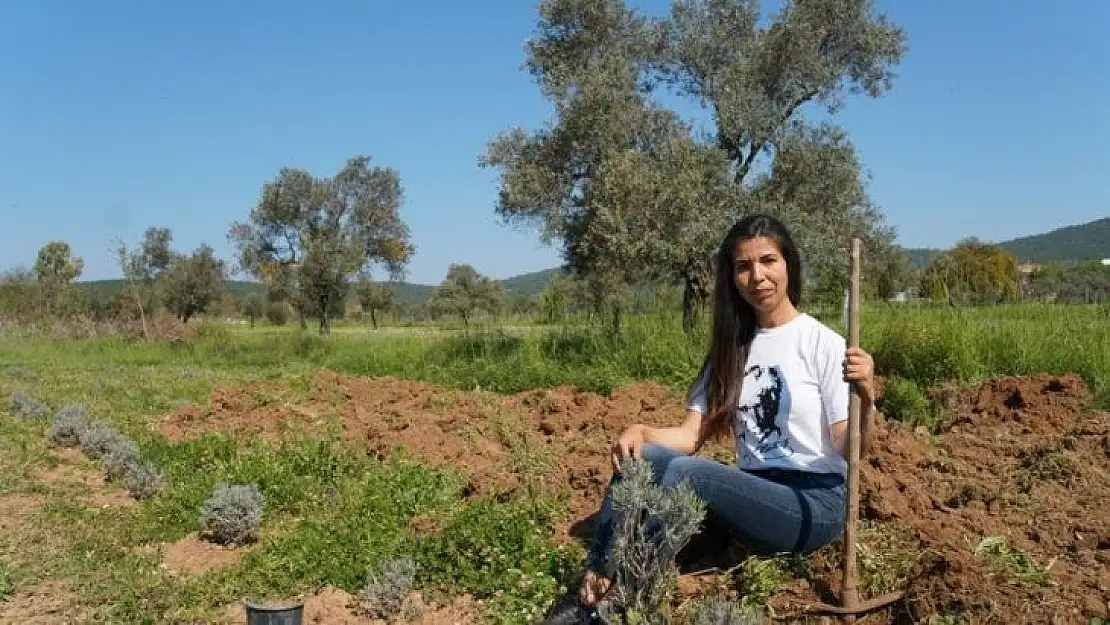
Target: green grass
{"points": [[922, 345], [1012, 560], [332, 513]]}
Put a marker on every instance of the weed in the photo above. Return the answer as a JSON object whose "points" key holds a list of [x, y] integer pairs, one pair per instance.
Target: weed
{"points": [[1015, 561], [1043, 463], [67, 427], [7, 586], [387, 586], [143, 481], [885, 556], [904, 401], [651, 524], [499, 550], [760, 579], [27, 407], [720, 612], [232, 515]]}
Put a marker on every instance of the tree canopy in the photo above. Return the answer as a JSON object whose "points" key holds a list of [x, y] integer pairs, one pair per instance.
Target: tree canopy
{"points": [[465, 292], [973, 272], [308, 237], [632, 192]]}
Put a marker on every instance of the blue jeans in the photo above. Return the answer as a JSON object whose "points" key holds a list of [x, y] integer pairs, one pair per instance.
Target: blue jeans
{"points": [[770, 511]]}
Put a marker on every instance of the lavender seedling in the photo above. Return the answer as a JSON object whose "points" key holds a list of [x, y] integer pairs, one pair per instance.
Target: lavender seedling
{"points": [[97, 438], [651, 524], [27, 407], [232, 515], [386, 588], [122, 458], [143, 481], [718, 612], [67, 426]]}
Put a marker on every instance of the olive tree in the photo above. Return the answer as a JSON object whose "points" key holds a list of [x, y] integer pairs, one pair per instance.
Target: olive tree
{"points": [[464, 292], [374, 297], [309, 236], [632, 192], [193, 283]]}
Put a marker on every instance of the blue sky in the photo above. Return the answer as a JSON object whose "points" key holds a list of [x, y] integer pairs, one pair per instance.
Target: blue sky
{"points": [[116, 116]]}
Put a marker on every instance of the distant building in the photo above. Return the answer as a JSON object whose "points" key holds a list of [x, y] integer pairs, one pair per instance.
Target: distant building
{"points": [[1106, 262]]}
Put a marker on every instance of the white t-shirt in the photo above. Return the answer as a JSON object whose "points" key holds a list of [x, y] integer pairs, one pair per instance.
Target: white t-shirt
{"points": [[793, 390]]}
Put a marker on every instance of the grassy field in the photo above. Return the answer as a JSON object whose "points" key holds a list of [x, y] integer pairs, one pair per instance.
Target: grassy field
{"points": [[332, 513]]}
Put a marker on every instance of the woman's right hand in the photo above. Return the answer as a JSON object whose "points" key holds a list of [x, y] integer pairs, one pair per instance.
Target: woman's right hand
{"points": [[630, 442]]}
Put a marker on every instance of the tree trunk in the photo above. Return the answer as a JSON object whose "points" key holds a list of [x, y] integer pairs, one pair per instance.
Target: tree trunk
{"points": [[325, 319], [688, 303], [373, 319], [695, 291], [616, 319]]}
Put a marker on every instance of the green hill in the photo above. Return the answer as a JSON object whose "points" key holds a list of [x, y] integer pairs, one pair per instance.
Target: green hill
{"points": [[1089, 241], [407, 292], [529, 283]]}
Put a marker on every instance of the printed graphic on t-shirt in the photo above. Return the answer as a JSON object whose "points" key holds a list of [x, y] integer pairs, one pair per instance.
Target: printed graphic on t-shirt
{"points": [[765, 415]]}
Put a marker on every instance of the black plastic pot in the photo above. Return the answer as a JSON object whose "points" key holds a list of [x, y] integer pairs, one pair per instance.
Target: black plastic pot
{"points": [[291, 613]]}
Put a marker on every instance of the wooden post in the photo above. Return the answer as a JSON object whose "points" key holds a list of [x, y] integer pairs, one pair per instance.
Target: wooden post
{"points": [[849, 596]]}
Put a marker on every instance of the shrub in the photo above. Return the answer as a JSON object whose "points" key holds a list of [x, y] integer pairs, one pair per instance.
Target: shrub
{"points": [[143, 481], [719, 612], [27, 407], [232, 515], [277, 313], [904, 401], [651, 524], [98, 438], [387, 587], [121, 458], [68, 425]]}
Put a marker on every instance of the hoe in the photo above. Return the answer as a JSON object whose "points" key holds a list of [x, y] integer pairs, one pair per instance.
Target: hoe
{"points": [[850, 603]]}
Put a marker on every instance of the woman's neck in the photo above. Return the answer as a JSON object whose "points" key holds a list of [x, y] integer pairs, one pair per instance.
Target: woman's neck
{"points": [[782, 315]]}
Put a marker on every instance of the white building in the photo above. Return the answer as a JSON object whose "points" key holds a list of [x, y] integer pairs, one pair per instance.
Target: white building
{"points": [[1106, 262]]}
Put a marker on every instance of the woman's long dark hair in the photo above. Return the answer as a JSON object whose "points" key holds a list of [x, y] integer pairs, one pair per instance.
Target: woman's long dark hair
{"points": [[734, 321]]}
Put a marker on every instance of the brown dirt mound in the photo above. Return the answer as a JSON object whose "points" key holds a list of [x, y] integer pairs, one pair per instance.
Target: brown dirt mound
{"points": [[89, 484], [192, 556], [1019, 459]]}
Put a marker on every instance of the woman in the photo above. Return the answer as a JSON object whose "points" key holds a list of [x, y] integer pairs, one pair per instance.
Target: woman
{"points": [[788, 414]]}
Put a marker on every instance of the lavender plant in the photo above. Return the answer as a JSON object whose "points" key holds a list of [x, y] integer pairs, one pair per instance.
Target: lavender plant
{"points": [[27, 407], [67, 426], [719, 612], [232, 515], [121, 458], [651, 524], [98, 438], [143, 480], [387, 586]]}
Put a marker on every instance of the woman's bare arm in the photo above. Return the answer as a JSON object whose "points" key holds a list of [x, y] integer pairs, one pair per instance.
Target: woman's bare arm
{"points": [[839, 431], [681, 438]]}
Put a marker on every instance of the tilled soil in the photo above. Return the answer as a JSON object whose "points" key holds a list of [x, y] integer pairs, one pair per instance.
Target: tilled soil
{"points": [[1019, 459]]}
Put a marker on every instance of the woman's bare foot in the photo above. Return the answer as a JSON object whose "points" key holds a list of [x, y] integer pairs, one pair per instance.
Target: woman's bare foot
{"points": [[594, 588]]}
